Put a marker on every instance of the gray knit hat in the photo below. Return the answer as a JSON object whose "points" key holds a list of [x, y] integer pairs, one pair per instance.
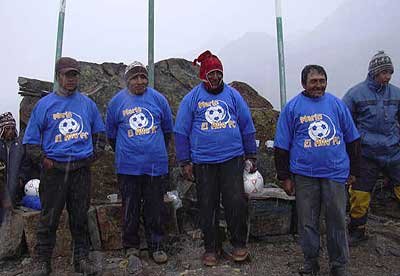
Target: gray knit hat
{"points": [[6, 120], [380, 62], [134, 69]]}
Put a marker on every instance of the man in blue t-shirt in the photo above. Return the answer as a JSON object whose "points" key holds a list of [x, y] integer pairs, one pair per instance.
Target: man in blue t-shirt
{"points": [[64, 134], [214, 134], [139, 125], [317, 149]]}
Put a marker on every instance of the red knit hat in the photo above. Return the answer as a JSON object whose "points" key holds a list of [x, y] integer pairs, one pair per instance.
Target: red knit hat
{"points": [[208, 63]]}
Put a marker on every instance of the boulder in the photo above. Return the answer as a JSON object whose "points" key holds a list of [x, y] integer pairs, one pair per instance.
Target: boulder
{"points": [[266, 165], [94, 231], [265, 123], [174, 78], [269, 217], [253, 99], [110, 222], [109, 219], [64, 240], [2, 171], [11, 232], [104, 179]]}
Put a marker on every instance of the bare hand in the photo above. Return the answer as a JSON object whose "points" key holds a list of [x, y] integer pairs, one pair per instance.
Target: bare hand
{"points": [[351, 180], [288, 186], [253, 167], [48, 163], [187, 172]]}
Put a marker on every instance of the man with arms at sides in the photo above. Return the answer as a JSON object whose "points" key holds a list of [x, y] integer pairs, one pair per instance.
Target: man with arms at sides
{"points": [[139, 126], [375, 106], [214, 134], [64, 134], [317, 150]]}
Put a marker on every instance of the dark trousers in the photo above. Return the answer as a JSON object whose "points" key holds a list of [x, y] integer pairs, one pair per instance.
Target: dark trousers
{"points": [[136, 190], [2, 214], [311, 195], [212, 181], [57, 189], [360, 192]]}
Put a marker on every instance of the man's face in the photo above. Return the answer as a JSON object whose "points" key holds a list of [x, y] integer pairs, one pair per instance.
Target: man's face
{"points": [[9, 133], [138, 84], [215, 79], [315, 84], [383, 77], [68, 81]]}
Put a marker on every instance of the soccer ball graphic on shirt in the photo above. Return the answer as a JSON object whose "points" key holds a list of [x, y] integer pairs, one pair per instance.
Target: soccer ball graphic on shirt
{"points": [[68, 126], [319, 130], [32, 187], [138, 120], [215, 114], [253, 182]]}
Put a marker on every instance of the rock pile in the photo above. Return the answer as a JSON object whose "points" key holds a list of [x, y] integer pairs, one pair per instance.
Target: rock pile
{"points": [[173, 78]]}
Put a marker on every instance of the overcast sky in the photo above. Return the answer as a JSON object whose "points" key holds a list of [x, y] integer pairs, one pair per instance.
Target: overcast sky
{"points": [[116, 31]]}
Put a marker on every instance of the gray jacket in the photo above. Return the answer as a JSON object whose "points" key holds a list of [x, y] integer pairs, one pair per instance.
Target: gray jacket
{"points": [[12, 154]]}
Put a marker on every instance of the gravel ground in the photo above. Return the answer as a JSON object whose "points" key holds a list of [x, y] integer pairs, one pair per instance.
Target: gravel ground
{"points": [[280, 256]]}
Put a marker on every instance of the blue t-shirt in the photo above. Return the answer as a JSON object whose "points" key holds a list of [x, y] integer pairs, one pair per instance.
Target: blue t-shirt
{"points": [[63, 126], [138, 123], [214, 124], [315, 132]]}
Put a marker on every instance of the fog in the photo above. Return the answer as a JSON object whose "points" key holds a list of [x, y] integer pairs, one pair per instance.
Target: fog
{"points": [[342, 35]]}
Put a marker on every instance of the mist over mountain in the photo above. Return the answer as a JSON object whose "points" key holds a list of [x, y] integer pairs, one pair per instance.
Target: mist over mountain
{"points": [[343, 43]]}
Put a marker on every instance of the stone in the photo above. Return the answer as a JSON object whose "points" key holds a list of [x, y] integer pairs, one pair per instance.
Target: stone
{"points": [[134, 265], [174, 78], [385, 241], [195, 234], [270, 217], [26, 261], [64, 239], [2, 170], [215, 271], [98, 259], [265, 123], [185, 188], [104, 179], [266, 166], [253, 99], [31, 90], [171, 223], [110, 222], [11, 232], [94, 232]]}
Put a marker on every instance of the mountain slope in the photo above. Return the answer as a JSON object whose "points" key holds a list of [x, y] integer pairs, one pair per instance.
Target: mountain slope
{"points": [[343, 44]]}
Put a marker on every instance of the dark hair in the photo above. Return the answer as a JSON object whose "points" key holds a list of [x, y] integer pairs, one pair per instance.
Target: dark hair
{"points": [[312, 67]]}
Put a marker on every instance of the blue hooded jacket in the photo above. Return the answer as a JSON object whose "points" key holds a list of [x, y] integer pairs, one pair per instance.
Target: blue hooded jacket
{"points": [[376, 110]]}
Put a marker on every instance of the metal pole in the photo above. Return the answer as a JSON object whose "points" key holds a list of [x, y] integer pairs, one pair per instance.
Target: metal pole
{"points": [[151, 43], [281, 55], [60, 34]]}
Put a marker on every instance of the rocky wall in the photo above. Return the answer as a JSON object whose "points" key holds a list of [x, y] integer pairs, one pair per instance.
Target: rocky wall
{"points": [[174, 78]]}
